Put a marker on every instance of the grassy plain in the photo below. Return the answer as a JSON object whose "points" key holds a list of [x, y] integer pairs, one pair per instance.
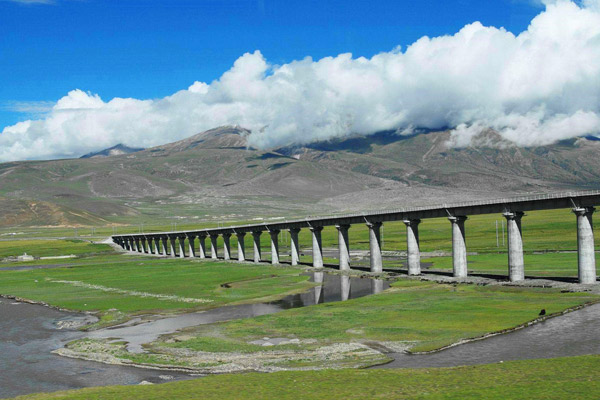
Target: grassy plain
{"points": [[44, 248], [426, 314], [130, 285], [560, 378]]}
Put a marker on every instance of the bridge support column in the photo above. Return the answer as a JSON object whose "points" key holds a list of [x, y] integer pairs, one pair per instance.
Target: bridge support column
{"points": [[156, 245], [138, 246], [128, 244], [227, 246], [181, 240], [256, 244], [202, 245], [375, 246], [516, 265], [413, 248], [343, 246], [164, 241], [241, 246], [150, 244], [274, 246], [143, 243], [192, 245], [317, 246], [214, 254], [295, 249], [459, 246], [173, 252], [586, 257]]}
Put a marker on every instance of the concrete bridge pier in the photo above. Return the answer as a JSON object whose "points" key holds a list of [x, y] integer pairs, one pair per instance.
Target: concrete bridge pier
{"points": [[274, 246], [256, 245], [295, 249], [317, 246], [156, 245], [343, 247], [172, 251], [181, 242], [375, 246], [516, 265], [227, 246], [136, 244], [192, 245], [586, 256], [459, 246], [214, 254], [241, 246], [202, 245], [413, 248], [164, 240], [143, 245], [128, 244], [151, 249]]}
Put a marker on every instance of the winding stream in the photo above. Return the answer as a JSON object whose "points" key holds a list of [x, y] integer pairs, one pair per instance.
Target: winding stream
{"points": [[28, 334]]}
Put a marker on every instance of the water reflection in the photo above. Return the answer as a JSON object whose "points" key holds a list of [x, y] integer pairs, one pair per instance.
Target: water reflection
{"points": [[345, 287], [376, 286]]}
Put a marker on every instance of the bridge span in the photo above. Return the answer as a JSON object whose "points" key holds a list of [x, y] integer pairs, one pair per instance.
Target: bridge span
{"points": [[513, 209]]}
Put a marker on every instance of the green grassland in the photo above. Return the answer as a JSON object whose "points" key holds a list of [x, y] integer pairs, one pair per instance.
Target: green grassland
{"points": [[45, 248], [120, 278], [560, 378], [426, 314]]}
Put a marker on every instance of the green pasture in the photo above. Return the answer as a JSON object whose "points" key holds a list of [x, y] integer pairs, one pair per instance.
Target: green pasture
{"points": [[44, 248], [427, 314], [130, 285], [559, 378]]}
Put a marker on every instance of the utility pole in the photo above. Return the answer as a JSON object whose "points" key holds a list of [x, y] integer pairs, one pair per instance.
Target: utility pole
{"points": [[497, 239]]}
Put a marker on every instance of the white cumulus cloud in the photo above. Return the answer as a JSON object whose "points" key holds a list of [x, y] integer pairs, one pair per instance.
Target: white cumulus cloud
{"points": [[534, 88]]}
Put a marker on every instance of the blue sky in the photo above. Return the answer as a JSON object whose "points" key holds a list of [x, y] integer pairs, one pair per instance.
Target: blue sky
{"points": [[150, 49]]}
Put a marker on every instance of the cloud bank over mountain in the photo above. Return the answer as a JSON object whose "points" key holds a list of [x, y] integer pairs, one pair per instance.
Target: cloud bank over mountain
{"points": [[534, 88]]}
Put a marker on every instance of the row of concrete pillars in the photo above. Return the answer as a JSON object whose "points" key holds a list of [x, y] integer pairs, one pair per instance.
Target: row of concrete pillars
{"points": [[516, 266]]}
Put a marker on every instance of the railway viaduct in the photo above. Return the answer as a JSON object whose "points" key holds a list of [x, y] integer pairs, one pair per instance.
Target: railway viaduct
{"points": [[513, 209]]}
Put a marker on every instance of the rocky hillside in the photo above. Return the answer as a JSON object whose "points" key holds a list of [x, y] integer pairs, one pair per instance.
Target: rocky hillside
{"points": [[215, 173]]}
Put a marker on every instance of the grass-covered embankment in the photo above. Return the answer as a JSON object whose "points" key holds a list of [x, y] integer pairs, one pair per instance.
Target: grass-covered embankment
{"points": [[560, 378]]}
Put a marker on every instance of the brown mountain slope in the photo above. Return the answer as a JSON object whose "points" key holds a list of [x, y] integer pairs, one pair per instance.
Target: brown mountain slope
{"points": [[215, 173]]}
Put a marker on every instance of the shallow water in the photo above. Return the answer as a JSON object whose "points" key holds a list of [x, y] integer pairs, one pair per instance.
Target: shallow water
{"points": [[28, 334]]}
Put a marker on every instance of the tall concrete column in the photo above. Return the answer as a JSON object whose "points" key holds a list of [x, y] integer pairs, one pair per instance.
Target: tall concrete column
{"points": [[138, 247], [413, 248], [295, 249], [345, 287], [586, 257], [375, 246], [214, 254], [164, 240], [192, 245], [181, 240], [156, 245], [128, 244], [516, 265], [343, 246], [274, 246], [227, 246], [202, 246], [459, 246], [241, 246], [150, 244], [256, 243], [317, 246], [173, 252]]}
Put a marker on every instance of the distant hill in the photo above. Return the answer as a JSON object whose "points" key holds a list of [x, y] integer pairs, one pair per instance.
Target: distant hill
{"points": [[215, 173], [117, 150]]}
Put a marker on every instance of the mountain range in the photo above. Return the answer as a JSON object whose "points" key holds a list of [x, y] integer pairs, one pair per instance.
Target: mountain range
{"points": [[216, 175]]}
